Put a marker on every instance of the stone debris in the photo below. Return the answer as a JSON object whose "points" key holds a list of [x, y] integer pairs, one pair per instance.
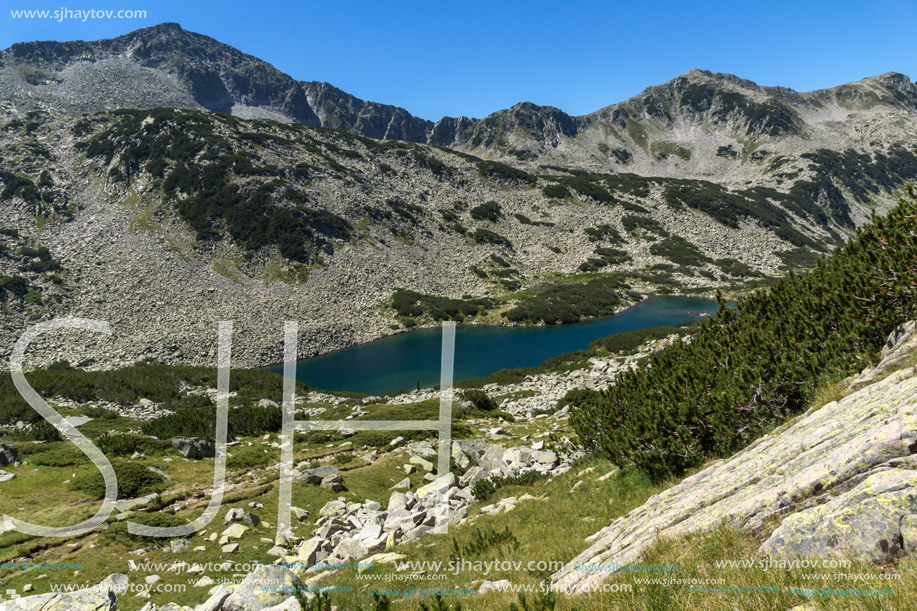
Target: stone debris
{"points": [[349, 531]]}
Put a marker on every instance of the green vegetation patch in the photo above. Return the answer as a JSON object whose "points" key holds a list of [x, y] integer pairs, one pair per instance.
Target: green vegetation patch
{"points": [[639, 225], [117, 533], [13, 285], [246, 421], [527, 221], [603, 232], [495, 169], [486, 488], [571, 302], [664, 150], [734, 267], [555, 191], [486, 236], [748, 370], [408, 303], [589, 186], [798, 257], [488, 211], [146, 380], [679, 250], [729, 208], [19, 185], [408, 212], [604, 258], [480, 399], [133, 480]]}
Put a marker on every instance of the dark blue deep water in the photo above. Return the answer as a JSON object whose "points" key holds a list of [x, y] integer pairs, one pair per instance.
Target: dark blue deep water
{"points": [[400, 361]]}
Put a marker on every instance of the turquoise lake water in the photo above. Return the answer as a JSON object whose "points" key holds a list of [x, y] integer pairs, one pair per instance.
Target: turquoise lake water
{"points": [[400, 361]]}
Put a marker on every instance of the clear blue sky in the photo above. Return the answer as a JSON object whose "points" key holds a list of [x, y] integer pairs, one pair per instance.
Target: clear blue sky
{"points": [[473, 58]]}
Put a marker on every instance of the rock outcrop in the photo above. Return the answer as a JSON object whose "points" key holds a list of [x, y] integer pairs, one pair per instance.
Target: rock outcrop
{"points": [[266, 587], [194, 448], [9, 455], [876, 520], [102, 597], [840, 477]]}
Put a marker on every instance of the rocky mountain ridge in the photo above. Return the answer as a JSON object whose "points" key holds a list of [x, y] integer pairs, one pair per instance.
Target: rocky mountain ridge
{"points": [[165, 65]]}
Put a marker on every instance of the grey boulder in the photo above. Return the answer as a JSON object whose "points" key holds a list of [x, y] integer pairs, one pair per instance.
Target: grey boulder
{"points": [[100, 598], [9, 455], [267, 586], [873, 521], [194, 447], [316, 475], [333, 482]]}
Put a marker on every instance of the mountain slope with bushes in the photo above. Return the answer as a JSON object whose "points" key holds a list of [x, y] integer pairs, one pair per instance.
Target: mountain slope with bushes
{"points": [[746, 371]]}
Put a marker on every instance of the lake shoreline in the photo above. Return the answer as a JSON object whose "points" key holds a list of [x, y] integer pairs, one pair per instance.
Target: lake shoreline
{"points": [[406, 359], [478, 325]]}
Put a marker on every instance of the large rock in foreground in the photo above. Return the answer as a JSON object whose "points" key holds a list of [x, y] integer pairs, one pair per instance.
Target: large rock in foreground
{"points": [[876, 520], [194, 448], [841, 476], [86, 600], [102, 597], [9, 455], [266, 587]]}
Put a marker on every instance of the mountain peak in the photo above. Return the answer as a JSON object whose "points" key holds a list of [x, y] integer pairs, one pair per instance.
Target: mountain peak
{"points": [[705, 76], [893, 80], [166, 26]]}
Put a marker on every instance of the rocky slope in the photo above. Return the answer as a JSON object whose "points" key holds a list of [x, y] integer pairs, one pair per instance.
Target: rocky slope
{"points": [[163, 222], [137, 239], [360, 219], [839, 479]]}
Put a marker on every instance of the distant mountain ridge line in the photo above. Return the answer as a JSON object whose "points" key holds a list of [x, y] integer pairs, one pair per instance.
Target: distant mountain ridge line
{"points": [[221, 78]]}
